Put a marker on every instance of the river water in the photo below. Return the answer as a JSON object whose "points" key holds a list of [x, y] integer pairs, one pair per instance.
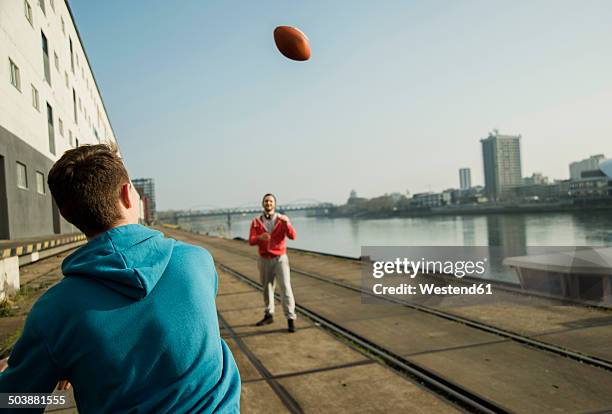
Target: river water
{"points": [[346, 236]]}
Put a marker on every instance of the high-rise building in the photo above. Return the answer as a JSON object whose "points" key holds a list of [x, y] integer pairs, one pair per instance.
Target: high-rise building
{"points": [[587, 164], [49, 102], [501, 156], [465, 178], [146, 189]]}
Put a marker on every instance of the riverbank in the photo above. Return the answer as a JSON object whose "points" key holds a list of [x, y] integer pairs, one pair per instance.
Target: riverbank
{"points": [[476, 209]]}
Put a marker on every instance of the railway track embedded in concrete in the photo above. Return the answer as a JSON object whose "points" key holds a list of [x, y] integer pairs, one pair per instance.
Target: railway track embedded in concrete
{"points": [[542, 345], [463, 398]]}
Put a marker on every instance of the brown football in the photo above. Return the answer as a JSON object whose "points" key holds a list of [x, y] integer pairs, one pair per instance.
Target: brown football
{"points": [[292, 43]]}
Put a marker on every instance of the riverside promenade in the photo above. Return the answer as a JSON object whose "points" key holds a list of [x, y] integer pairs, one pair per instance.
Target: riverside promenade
{"points": [[515, 354]]}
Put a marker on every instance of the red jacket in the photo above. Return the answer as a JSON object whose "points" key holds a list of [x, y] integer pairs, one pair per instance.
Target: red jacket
{"points": [[276, 245]]}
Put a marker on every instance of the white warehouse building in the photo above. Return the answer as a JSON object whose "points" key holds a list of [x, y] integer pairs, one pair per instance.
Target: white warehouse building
{"points": [[49, 103]]}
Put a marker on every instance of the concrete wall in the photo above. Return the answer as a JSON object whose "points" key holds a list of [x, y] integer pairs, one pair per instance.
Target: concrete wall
{"points": [[4, 217], [29, 213], [9, 277]]}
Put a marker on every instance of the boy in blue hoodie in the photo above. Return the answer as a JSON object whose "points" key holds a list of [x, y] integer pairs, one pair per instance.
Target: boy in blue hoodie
{"points": [[133, 324]]}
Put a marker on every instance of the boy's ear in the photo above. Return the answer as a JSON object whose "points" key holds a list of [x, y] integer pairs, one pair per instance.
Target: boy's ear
{"points": [[126, 195]]}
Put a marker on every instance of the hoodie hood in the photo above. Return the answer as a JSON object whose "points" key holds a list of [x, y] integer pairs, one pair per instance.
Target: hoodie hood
{"points": [[128, 259]]}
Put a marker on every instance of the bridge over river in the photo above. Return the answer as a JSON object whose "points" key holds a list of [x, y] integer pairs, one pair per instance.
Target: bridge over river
{"points": [[313, 206]]}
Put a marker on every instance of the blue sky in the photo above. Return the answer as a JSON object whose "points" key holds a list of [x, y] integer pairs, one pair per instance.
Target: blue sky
{"points": [[396, 96]]}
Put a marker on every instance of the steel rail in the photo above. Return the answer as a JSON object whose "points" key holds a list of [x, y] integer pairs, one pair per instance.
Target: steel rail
{"points": [[432, 380], [578, 356]]}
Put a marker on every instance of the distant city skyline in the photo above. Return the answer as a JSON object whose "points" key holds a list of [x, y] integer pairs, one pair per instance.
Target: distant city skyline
{"points": [[465, 182], [395, 98]]}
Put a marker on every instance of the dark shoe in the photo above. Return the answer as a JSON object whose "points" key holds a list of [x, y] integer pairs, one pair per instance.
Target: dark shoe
{"points": [[291, 325], [267, 320]]}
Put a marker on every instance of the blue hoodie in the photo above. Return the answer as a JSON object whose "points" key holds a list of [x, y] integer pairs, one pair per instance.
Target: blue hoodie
{"points": [[133, 326]]}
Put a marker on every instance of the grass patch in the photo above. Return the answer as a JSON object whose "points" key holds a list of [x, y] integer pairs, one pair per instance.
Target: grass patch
{"points": [[6, 344], [7, 308]]}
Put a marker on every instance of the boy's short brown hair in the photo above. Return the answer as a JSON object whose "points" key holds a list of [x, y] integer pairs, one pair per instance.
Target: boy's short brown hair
{"points": [[86, 185]]}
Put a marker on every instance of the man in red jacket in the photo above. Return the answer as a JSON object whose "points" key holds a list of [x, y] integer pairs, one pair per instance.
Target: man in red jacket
{"points": [[268, 231]]}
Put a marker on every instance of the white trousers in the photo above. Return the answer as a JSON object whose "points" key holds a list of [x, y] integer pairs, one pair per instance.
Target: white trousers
{"points": [[269, 271]]}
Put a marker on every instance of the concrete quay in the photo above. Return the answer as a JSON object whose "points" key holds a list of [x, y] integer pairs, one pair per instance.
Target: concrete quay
{"points": [[319, 374], [514, 354], [310, 370], [351, 356]]}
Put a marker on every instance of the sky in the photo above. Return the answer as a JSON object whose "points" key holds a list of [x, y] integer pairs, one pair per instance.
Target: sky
{"points": [[395, 98]]}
